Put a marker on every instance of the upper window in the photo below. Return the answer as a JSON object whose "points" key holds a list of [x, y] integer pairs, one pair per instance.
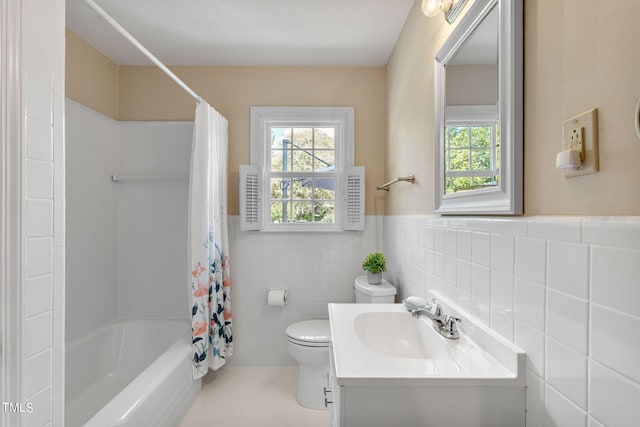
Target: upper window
{"points": [[302, 155]]}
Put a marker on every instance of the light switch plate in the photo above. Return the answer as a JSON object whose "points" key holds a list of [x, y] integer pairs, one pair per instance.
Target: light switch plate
{"points": [[589, 122]]}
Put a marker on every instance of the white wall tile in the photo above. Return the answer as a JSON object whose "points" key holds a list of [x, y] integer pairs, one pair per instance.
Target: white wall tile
{"points": [[463, 245], [39, 256], [621, 232], [481, 310], [38, 333], [568, 364], [614, 278], [450, 242], [569, 268], [42, 408], [39, 140], [39, 218], [567, 372], [562, 412], [615, 341], [438, 239], [91, 264], [554, 228], [513, 227], [480, 283], [39, 62], [535, 398], [502, 289], [502, 252], [39, 101], [38, 372], [481, 248], [42, 136], [530, 305], [450, 270], [532, 342], [38, 295], [39, 175], [568, 320], [502, 321], [463, 276], [463, 300], [531, 260], [613, 399], [39, 22]]}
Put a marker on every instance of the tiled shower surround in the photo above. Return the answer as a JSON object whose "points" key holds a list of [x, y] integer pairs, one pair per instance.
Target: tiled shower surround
{"points": [[565, 289], [126, 242]]}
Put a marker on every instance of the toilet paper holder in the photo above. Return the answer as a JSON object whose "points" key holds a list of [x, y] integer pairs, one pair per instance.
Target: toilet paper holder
{"points": [[277, 297]]}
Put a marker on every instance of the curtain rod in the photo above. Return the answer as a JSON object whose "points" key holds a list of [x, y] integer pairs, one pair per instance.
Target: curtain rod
{"points": [[142, 49]]}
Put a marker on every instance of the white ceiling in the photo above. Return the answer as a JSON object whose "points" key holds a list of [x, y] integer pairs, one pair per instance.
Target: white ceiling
{"points": [[246, 32]]}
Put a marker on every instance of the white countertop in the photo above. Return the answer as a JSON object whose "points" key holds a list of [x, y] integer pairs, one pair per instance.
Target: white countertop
{"points": [[466, 363]]}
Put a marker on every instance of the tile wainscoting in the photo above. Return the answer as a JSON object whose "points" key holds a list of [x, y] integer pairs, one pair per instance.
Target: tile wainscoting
{"points": [[317, 269], [565, 289]]}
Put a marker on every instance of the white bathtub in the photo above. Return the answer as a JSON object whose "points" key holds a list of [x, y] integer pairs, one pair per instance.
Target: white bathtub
{"points": [[130, 373]]}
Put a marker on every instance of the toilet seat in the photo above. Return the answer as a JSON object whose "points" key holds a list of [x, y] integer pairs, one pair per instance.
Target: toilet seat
{"points": [[310, 333]]}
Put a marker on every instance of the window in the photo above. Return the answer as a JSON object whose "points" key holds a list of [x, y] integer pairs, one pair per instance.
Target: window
{"points": [[472, 148], [302, 174], [304, 157]]}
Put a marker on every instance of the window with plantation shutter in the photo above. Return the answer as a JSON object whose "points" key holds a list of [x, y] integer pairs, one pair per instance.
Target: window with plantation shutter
{"points": [[299, 178]]}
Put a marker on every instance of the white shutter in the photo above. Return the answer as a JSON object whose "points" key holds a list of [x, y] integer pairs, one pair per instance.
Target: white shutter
{"points": [[353, 196], [250, 197]]}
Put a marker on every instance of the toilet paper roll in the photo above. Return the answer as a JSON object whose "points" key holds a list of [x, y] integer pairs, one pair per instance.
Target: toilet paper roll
{"points": [[277, 297]]}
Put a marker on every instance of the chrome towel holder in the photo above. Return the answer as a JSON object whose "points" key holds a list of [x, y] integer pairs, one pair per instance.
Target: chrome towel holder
{"points": [[385, 187]]}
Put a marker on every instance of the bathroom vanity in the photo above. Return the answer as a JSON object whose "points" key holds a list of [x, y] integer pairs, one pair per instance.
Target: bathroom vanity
{"points": [[389, 368]]}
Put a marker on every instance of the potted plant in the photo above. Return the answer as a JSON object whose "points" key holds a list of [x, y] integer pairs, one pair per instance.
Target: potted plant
{"points": [[374, 264]]}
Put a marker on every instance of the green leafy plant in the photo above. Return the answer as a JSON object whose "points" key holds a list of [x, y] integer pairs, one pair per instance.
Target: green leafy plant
{"points": [[375, 263]]}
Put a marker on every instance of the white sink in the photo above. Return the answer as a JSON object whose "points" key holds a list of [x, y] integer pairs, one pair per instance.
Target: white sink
{"points": [[375, 343], [400, 335], [388, 368]]}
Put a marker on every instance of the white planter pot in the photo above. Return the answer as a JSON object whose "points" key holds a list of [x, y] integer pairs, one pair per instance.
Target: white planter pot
{"points": [[374, 279]]}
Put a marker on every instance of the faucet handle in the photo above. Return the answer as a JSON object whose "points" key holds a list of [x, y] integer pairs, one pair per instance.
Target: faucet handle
{"points": [[451, 323], [437, 309]]}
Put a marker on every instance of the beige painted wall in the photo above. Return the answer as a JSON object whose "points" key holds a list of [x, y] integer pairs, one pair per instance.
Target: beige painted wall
{"points": [[147, 94], [579, 54], [472, 85], [91, 77]]}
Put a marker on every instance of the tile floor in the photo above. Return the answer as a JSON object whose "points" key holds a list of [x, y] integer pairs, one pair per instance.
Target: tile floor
{"points": [[265, 397]]}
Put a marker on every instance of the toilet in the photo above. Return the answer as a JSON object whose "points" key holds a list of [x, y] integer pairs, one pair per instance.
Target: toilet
{"points": [[308, 343]]}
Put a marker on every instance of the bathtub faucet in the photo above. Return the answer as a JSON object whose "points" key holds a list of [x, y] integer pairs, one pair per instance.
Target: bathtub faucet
{"points": [[447, 326]]}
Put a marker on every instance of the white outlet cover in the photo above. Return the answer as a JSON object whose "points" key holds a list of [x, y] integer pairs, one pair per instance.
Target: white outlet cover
{"points": [[589, 121]]}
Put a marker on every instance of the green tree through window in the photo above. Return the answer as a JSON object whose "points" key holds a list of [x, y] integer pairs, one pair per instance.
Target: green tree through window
{"points": [[472, 157], [304, 161]]}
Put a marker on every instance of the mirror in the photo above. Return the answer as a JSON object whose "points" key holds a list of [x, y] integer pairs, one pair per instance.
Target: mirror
{"points": [[479, 112]]}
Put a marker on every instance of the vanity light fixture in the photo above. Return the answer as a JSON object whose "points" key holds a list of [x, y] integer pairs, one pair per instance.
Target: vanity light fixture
{"points": [[451, 8]]}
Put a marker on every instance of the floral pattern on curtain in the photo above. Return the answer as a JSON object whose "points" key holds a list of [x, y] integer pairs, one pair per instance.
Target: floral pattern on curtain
{"points": [[212, 338]]}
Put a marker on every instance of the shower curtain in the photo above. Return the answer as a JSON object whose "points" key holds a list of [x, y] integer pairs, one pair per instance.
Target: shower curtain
{"points": [[212, 338]]}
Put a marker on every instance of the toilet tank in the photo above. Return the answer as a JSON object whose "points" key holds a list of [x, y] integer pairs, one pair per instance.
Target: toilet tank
{"points": [[367, 293]]}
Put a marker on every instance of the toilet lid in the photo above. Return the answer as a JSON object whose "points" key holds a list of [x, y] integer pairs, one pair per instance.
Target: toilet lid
{"points": [[310, 331], [383, 289]]}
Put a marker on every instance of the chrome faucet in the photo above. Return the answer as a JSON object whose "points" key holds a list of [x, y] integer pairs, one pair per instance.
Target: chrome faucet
{"points": [[447, 326]]}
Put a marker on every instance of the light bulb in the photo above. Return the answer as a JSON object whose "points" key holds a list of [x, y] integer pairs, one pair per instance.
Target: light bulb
{"points": [[432, 8]]}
